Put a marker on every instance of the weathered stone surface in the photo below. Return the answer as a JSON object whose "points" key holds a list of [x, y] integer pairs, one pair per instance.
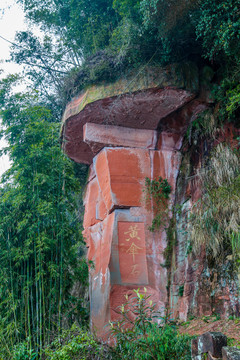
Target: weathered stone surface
{"points": [[214, 342], [170, 141], [142, 110], [91, 195], [210, 342], [194, 348], [130, 135], [211, 357], [95, 208], [91, 173], [118, 298], [103, 178], [110, 278], [132, 252], [166, 164], [182, 76], [98, 136], [206, 290], [230, 353], [98, 238], [121, 174], [124, 252]]}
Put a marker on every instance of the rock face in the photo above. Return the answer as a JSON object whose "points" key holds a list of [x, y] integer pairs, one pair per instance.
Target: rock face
{"points": [[230, 353], [205, 290], [210, 343], [126, 255], [128, 134], [213, 345], [138, 102]]}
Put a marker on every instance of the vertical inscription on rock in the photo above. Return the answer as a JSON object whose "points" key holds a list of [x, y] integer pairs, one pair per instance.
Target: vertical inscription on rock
{"points": [[132, 253]]}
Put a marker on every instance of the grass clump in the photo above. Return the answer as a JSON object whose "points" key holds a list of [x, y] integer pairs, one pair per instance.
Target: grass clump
{"points": [[215, 221]]}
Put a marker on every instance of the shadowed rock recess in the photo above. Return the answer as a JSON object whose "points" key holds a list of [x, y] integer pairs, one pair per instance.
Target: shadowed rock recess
{"points": [[128, 131]]}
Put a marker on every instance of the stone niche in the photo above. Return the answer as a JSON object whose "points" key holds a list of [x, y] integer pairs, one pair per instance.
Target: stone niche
{"points": [[126, 132]]}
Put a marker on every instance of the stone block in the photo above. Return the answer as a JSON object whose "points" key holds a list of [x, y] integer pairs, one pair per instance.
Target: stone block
{"points": [[121, 175], [132, 253], [140, 110], [99, 136], [166, 164], [210, 342], [213, 342], [90, 202], [99, 238], [230, 353], [128, 169], [103, 178], [91, 173], [101, 210], [194, 348]]}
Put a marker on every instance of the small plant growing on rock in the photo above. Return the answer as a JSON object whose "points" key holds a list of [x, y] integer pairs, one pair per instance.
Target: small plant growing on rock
{"points": [[157, 193]]}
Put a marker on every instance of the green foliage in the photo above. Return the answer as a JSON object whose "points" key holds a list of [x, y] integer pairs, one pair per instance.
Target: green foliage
{"points": [[129, 8], [77, 343], [22, 352], [205, 125], [45, 66], [171, 242], [227, 96], [157, 193], [134, 32], [131, 33], [181, 290], [219, 27], [233, 96], [215, 221], [40, 237], [103, 66], [84, 26], [139, 337]]}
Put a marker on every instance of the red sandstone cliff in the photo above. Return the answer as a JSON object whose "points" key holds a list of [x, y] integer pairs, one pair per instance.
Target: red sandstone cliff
{"points": [[127, 132]]}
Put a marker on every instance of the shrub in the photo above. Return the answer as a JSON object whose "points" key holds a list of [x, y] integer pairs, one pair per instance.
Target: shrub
{"points": [[77, 343], [219, 27], [139, 337]]}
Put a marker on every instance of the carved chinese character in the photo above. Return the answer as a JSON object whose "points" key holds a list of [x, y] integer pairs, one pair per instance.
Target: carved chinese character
{"points": [[133, 250], [135, 270], [133, 233]]}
